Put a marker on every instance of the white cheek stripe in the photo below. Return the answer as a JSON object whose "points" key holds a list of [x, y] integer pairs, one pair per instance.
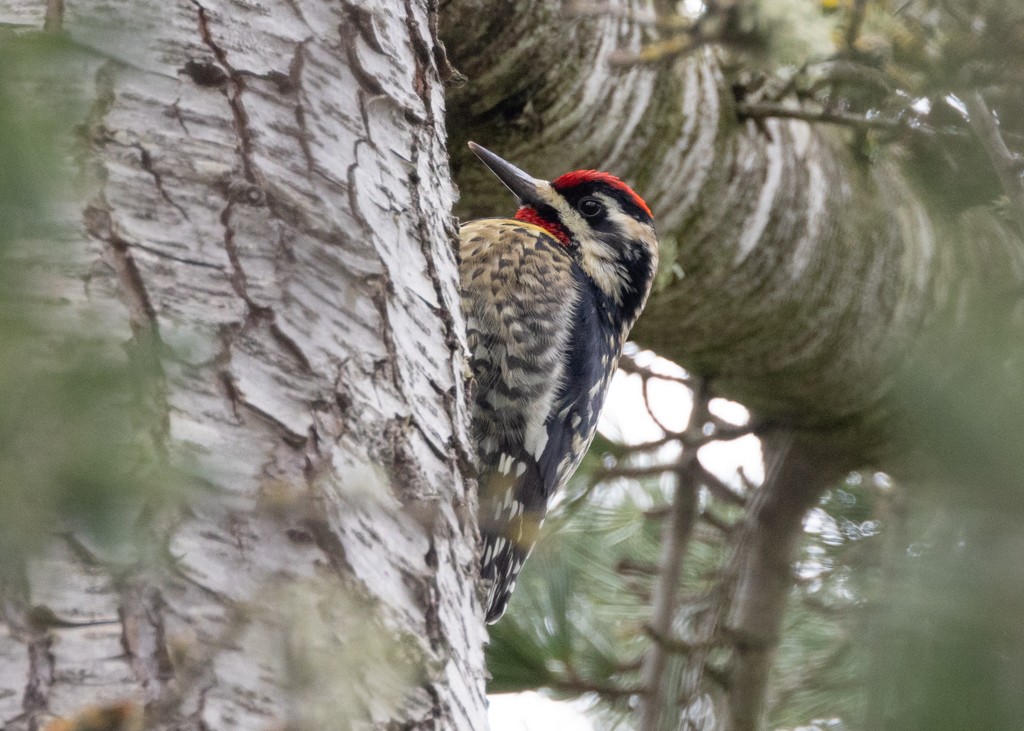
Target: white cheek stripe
{"points": [[571, 218]]}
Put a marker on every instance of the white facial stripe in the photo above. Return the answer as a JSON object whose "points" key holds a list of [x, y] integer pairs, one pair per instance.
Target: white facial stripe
{"points": [[630, 227], [571, 218], [600, 259]]}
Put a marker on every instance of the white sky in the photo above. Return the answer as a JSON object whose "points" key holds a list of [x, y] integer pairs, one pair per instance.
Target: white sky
{"points": [[533, 712], [625, 419]]}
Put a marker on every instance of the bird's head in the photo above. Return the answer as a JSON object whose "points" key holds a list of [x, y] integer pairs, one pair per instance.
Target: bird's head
{"points": [[604, 225]]}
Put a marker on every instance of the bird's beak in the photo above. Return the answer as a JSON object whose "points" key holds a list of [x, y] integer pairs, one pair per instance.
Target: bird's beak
{"points": [[524, 186]]}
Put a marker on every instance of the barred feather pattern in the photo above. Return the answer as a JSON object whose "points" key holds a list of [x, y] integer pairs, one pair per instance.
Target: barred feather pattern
{"points": [[542, 350]]}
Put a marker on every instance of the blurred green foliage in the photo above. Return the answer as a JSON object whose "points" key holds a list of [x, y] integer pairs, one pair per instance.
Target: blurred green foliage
{"points": [[79, 427]]}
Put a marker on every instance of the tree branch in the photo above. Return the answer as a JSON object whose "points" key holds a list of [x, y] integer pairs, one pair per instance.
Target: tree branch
{"points": [[629, 365], [765, 110], [676, 533], [716, 522], [670, 643], [1007, 165], [854, 26], [718, 488], [798, 472]]}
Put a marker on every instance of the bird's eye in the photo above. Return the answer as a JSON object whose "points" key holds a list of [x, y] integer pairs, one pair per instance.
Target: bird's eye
{"points": [[591, 207]]}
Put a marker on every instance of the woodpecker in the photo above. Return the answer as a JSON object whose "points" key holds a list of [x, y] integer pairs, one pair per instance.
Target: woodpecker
{"points": [[549, 297]]}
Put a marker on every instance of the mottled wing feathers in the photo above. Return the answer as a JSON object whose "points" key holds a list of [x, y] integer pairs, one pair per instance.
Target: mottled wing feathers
{"points": [[520, 293]]}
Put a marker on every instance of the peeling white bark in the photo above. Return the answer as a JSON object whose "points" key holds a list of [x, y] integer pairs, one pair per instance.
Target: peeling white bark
{"points": [[269, 205]]}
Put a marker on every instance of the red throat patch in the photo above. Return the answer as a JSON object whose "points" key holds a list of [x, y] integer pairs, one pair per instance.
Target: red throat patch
{"points": [[526, 214], [579, 177]]}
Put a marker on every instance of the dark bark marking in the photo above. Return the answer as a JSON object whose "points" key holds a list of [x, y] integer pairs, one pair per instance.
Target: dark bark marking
{"points": [[362, 20], [448, 74], [192, 662], [230, 390], [424, 586], [438, 452], [341, 407], [43, 618], [426, 246], [143, 637], [353, 184], [36, 696], [81, 551], [330, 546], [299, 537], [197, 715], [423, 54], [290, 346], [294, 6], [290, 436], [204, 73], [295, 80], [180, 259], [430, 601], [381, 290], [147, 164], [20, 619], [246, 193], [174, 112], [241, 117], [364, 116], [238, 401], [237, 277], [367, 80], [402, 466], [257, 313], [99, 224], [438, 710]]}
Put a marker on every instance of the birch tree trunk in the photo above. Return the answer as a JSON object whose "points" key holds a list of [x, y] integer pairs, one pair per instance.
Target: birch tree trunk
{"points": [[264, 210]]}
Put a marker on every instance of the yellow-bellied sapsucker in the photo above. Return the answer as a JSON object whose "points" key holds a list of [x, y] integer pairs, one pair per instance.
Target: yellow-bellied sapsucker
{"points": [[549, 298]]}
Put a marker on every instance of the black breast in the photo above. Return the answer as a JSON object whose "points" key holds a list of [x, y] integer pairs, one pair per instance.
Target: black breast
{"points": [[593, 353]]}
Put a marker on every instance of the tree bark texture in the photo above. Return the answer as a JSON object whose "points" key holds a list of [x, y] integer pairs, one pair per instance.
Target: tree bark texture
{"points": [[264, 207]]}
